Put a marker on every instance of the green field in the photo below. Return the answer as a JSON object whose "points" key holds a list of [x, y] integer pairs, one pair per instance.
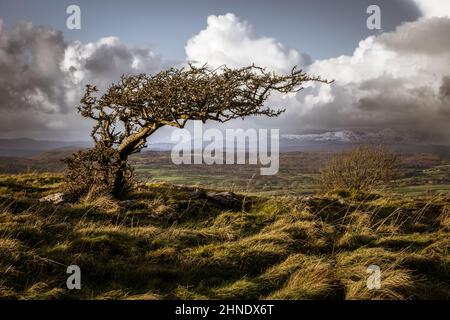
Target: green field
{"points": [[299, 175]]}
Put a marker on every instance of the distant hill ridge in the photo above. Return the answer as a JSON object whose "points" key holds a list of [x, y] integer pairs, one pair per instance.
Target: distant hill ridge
{"points": [[27, 147], [332, 141]]}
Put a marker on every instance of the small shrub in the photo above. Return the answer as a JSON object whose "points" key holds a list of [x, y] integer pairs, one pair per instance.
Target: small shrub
{"points": [[361, 169]]}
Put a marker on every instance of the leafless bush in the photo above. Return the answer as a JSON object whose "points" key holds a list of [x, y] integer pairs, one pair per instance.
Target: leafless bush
{"points": [[361, 169]]}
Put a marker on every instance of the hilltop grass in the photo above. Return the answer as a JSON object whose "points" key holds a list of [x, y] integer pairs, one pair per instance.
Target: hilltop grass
{"points": [[166, 242]]}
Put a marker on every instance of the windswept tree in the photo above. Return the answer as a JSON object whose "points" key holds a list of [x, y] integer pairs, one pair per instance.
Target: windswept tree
{"points": [[138, 105]]}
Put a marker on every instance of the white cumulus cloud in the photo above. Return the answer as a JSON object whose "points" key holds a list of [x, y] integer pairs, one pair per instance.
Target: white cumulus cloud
{"points": [[434, 8], [227, 40]]}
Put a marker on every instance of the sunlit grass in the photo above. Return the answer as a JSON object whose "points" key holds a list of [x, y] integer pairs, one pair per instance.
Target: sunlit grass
{"points": [[166, 243]]}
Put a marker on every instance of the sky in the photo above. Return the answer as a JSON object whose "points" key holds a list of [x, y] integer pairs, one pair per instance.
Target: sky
{"points": [[396, 78], [166, 25]]}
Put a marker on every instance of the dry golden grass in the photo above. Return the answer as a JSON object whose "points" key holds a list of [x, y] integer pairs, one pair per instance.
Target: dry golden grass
{"points": [[163, 244]]}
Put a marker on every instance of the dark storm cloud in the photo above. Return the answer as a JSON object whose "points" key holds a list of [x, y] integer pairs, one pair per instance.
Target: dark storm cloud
{"points": [[399, 80], [386, 103], [42, 76], [108, 58], [29, 74], [445, 88], [417, 113]]}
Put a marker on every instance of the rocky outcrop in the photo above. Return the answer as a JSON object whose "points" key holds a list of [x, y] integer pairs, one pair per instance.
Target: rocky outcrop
{"points": [[56, 198]]}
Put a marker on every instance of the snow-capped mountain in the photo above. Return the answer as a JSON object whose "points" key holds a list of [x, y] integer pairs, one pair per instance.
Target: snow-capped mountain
{"points": [[341, 136], [348, 136]]}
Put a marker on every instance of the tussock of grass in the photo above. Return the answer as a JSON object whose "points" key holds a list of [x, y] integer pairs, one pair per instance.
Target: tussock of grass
{"points": [[444, 219], [313, 280], [105, 204], [397, 284], [352, 272]]}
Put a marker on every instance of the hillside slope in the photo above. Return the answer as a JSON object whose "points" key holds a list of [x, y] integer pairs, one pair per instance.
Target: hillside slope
{"points": [[172, 242]]}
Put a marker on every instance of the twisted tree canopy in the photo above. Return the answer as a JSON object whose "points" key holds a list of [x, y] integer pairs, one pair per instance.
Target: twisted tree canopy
{"points": [[135, 107]]}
